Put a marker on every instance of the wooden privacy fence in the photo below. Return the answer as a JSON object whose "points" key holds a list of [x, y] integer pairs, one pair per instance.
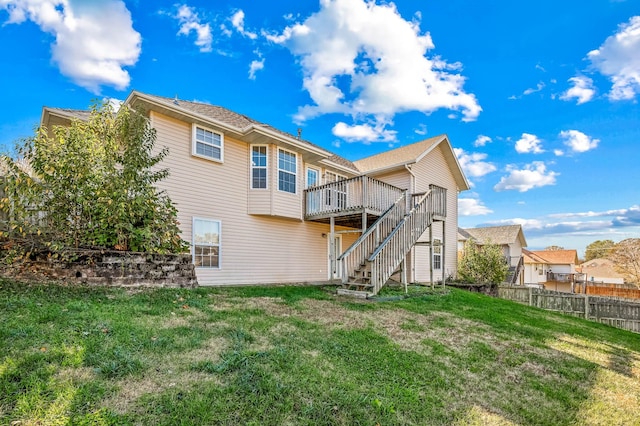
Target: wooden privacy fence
{"points": [[618, 313], [614, 290]]}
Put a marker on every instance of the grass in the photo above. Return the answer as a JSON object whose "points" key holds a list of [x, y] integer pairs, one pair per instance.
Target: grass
{"points": [[299, 355]]}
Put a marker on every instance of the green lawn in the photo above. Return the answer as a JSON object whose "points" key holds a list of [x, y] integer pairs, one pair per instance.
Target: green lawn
{"points": [[299, 355]]}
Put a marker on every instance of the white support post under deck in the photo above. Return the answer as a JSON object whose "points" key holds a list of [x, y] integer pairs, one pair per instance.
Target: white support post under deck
{"points": [[431, 255], [442, 252], [332, 247]]}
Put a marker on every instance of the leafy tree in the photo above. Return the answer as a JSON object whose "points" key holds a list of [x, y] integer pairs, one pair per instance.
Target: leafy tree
{"points": [[626, 258], [483, 264], [599, 249], [91, 184], [553, 248]]}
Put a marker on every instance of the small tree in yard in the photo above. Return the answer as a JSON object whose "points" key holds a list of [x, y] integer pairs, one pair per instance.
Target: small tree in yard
{"points": [[91, 184], [483, 264], [626, 257]]}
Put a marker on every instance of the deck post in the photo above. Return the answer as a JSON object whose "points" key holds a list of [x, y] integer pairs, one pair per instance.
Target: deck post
{"points": [[442, 251], [431, 255], [332, 247]]}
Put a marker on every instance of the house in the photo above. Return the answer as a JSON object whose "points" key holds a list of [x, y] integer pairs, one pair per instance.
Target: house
{"points": [[261, 206], [552, 269], [601, 270], [509, 237]]}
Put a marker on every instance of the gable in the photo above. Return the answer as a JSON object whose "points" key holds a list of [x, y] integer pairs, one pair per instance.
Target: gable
{"points": [[556, 257], [507, 234], [406, 156]]}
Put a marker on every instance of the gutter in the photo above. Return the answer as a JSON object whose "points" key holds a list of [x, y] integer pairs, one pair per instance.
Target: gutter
{"points": [[240, 131]]}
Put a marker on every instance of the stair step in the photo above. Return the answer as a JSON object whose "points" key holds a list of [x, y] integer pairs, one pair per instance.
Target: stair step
{"points": [[353, 293], [357, 284]]}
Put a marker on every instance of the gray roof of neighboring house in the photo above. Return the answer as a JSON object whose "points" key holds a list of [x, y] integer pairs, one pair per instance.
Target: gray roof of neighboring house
{"points": [[507, 234], [463, 235], [79, 114]]}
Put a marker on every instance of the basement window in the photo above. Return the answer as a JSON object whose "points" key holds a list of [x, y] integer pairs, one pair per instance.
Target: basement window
{"points": [[206, 243]]}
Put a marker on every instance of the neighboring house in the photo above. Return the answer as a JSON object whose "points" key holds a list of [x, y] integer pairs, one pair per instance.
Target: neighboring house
{"points": [[509, 237], [552, 269], [262, 206], [600, 271]]}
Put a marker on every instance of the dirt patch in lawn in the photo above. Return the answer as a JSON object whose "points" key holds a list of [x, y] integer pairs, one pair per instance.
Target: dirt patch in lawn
{"points": [[168, 372]]}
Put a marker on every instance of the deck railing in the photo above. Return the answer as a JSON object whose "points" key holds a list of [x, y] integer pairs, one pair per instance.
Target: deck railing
{"points": [[388, 256], [356, 255], [358, 193], [565, 277]]}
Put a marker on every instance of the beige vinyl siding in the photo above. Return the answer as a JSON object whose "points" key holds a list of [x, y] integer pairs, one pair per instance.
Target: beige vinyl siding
{"points": [[286, 204], [260, 198], [434, 170], [254, 249], [400, 179]]}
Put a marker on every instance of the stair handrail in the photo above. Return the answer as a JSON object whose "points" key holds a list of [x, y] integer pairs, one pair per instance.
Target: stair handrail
{"points": [[516, 272], [390, 253], [358, 252]]}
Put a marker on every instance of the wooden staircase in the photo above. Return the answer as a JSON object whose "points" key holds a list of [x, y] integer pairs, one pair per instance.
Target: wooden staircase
{"points": [[514, 272], [370, 261]]}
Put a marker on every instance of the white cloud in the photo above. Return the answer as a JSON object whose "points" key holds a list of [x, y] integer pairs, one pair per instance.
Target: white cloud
{"points": [[578, 141], [472, 163], [472, 207], [558, 152], [619, 59], [364, 132], [529, 143], [190, 22], [94, 41], [363, 59], [421, 130], [534, 175], [256, 65], [538, 88], [582, 90], [237, 20], [481, 140]]}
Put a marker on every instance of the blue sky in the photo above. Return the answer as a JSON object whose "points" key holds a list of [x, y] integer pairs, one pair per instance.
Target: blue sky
{"points": [[539, 98]]}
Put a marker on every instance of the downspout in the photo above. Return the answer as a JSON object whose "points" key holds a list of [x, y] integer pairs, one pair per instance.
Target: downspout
{"points": [[412, 189]]}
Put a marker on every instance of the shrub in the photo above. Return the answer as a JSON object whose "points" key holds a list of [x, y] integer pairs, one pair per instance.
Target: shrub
{"points": [[482, 264], [91, 185]]}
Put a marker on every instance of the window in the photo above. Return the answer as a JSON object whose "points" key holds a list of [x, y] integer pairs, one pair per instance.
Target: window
{"points": [[336, 195], [207, 143], [287, 171], [312, 177], [313, 197], [437, 254], [206, 243], [258, 167]]}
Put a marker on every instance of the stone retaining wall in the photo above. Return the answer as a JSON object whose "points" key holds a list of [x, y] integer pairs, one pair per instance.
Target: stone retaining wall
{"points": [[110, 268]]}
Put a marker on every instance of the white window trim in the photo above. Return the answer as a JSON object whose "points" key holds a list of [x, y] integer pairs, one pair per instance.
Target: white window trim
{"points": [[295, 154], [193, 243], [194, 126], [437, 251], [266, 167], [306, 176]]}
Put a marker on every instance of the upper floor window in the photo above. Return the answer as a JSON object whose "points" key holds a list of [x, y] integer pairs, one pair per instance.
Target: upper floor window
{"points": [[287, 166], [207, 143], [258, 166], [437, 254], [312, 177]]}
